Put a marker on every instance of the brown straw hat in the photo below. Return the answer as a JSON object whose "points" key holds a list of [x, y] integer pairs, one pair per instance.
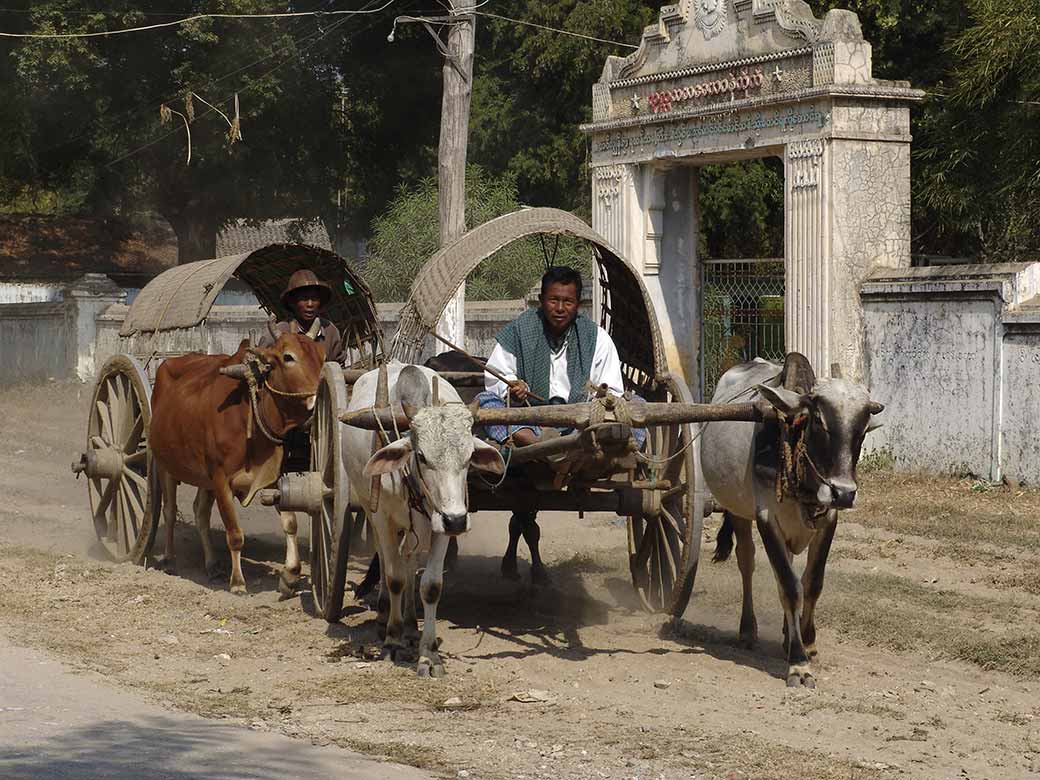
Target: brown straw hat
{"points": [[306, 278]]}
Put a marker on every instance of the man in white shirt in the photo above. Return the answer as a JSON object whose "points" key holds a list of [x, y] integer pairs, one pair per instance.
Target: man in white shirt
{"points": [[553, 352]]}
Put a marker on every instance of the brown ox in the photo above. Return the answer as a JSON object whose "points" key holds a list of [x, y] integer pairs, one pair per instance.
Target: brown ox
{"points": [[205, 432]]}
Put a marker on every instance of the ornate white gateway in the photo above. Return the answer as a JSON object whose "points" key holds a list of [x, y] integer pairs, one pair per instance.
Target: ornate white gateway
{"points": [[722, 80]]}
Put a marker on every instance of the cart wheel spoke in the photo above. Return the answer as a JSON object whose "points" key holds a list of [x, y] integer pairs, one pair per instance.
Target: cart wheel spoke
{"points": [[133, 438], [123, 510], [106, 423], [664, 558], [137, 459], [106, 499]]}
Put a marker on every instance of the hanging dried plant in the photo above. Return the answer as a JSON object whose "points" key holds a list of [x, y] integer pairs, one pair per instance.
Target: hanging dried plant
{"points": [[165, 116], [189, 106]]}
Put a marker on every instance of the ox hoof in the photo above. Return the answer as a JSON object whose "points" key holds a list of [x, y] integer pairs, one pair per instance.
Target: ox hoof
{"points": [[748, 642], [509, 569], [540, 576], [398, 653], [427, 668], [239, 589], [800, 679], [287, 587], [166, 565]]}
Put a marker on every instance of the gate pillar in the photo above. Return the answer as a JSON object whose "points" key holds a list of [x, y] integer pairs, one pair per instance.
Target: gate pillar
{"points": [[738, 79]]}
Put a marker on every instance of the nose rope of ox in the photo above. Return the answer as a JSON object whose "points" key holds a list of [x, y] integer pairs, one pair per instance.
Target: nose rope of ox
{"points": [[251, 371], [790, 477]]}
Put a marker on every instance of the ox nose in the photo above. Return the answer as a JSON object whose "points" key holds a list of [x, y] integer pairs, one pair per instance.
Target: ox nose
{"points": [[844, 496], [455, 524]]}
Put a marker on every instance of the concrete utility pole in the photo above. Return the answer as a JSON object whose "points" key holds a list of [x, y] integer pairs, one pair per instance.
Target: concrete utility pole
{"points": [[451, 157]]}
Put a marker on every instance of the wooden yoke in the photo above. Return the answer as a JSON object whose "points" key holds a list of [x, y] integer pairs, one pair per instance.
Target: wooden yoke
{"points": [[636, 414]]}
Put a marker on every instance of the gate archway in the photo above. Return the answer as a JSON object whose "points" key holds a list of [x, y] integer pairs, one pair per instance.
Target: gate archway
{"points": [[724, 80]]}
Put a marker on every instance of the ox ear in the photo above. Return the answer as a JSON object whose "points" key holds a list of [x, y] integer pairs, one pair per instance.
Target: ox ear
{"points": [[393, 457], [876, 408], [782, 399], [486, 458]]}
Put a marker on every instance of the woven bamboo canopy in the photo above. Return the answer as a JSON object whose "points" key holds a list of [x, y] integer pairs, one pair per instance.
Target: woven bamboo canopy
{"points": [[627, 313], [182, 297]]}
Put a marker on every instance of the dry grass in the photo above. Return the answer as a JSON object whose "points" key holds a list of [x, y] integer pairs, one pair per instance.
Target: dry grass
{"points": [[892, 612], [961, 512]]}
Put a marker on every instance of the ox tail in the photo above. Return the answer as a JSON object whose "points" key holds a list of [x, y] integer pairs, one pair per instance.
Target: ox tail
{"points": [[371, 580], [723, 540]]}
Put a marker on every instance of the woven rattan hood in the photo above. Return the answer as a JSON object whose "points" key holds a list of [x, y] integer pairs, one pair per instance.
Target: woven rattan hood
{"points": [[628, 311], [182, 297]]}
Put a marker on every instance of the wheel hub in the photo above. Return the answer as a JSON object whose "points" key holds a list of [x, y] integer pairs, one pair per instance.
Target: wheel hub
{"points": [[102, 463]]}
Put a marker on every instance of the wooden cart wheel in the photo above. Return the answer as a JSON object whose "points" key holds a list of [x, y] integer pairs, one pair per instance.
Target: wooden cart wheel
{"points": [[664, 540], [121, 480], [331, 525]]}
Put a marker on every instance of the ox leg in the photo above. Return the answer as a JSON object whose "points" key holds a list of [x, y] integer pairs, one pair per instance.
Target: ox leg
{"points": [[525, 524], [532, 538], [235, 537], [812, 579], [168, 562], [790, 588], [395, 581], [451, 558], [203, 509], [291, 571], [516, 530], [383, 603], [746, 564], [430, 663], [410, 620]]}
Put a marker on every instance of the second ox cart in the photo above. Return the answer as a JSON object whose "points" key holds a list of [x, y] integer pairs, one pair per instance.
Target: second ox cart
{"points": [[599, 467]]}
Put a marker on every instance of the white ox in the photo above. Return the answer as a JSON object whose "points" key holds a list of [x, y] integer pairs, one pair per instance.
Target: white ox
{"points": [[827, 421], [431, 461]]}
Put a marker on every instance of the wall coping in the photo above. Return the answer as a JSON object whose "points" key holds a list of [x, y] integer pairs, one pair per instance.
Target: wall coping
{"points": [[1012, 283]]}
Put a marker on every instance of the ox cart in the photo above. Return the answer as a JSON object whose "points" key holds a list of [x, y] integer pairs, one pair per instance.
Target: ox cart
{"points": [[168, 318], [654, 486]]}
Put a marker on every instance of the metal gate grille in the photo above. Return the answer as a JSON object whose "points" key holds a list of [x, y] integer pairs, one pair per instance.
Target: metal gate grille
{"points": [[743, 315]]}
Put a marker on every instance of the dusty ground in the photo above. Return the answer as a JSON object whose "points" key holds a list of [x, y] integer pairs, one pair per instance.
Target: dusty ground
{"points": [[929, 639]]}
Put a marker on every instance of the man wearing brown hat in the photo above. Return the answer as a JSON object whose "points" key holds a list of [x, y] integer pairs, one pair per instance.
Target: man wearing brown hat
{"points": [[304, 297]]}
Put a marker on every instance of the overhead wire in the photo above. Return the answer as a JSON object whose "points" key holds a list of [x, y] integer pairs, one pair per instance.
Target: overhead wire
{"points": [[317, 35], [195, 17], [155, 106], [554, 29]]}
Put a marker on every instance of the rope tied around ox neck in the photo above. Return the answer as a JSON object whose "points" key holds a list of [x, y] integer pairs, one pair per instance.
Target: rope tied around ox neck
{"points": [[795, 460], [257, 369]]}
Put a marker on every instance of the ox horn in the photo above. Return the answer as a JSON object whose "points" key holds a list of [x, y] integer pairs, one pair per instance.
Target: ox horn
{"points": [[876, 407], [382, 388], [270, 327], [312, 331], [409, 410], [235, 371]]}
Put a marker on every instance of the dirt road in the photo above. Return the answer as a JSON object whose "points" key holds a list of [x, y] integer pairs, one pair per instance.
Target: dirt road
{"points": [[55, 725], [929, 639]]}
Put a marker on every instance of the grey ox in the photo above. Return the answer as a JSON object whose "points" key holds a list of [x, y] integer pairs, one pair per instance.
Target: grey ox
{"points": [[422, 498], [790, 477]]}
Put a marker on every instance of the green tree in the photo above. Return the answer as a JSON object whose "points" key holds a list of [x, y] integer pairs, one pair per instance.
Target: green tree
{"points": [[86, 119], [533, 88], [408, 234], [980, 162]]}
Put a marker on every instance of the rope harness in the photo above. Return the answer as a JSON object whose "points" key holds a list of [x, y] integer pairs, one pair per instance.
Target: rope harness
{"points": [[796, 462], [259, 370]]}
